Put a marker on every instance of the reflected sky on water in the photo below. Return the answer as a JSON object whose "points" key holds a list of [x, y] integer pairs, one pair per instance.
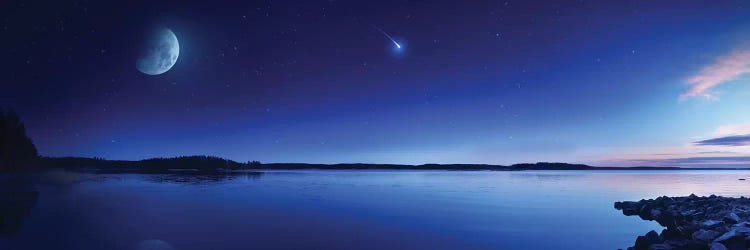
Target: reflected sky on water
{"points": [[352, 209]]}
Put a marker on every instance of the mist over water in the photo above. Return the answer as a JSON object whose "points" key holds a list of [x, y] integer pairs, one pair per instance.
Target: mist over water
{"points": [[352, 209]]}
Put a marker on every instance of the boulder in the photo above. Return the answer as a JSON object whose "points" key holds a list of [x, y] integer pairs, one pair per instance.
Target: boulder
{"points": [[660, 246], [711, 223], [718, 246], [693, 222], [671, 234], [741, 229], [705, 235], [643, 242], [731, 218], [655, 213], [628, 207], [730, 235], [689, 212]]}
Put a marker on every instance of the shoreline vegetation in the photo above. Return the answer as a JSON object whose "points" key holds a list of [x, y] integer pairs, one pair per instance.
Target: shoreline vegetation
{"points": [[211, 163], [18, 153]]}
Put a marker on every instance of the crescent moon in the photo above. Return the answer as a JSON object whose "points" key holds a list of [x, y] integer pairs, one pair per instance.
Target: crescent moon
{"points": [[160, 53]]}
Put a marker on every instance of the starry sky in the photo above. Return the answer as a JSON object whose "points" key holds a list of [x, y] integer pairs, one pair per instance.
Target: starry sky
{"points": [[609, 83]]}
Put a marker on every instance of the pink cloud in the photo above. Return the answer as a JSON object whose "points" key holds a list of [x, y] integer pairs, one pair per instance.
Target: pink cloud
{"points": [[726, 68], [734, 129]]}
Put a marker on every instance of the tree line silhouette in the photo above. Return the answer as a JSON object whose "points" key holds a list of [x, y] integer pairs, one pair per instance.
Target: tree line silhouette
{"points": [[197, 162], [17, 151]]}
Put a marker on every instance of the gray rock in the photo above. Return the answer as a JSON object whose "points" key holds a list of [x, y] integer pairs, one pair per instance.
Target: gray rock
{"points": [[689, 212], [705, 235], [731, 218], [671, 234], [693, 222], [678, 243], [718, 246], [742, 230], [628, 207], [728, 235], [655, 213], [660, 246], [643, 242], [711, 223]]}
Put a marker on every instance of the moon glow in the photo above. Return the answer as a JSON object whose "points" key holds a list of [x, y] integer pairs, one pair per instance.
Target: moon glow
{"points": [[159, 53]]}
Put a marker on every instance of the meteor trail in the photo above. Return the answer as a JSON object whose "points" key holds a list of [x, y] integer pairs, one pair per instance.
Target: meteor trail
{"points": [[398, 46]]}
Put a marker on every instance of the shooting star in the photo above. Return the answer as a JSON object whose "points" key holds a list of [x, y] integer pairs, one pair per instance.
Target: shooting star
{"points": [[398, 46]]}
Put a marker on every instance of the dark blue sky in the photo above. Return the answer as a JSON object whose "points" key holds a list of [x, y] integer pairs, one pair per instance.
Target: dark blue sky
{"points": [[599, 82]]}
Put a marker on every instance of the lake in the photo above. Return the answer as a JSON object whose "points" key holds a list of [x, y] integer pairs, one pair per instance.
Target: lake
{"points": [[331, 209]]}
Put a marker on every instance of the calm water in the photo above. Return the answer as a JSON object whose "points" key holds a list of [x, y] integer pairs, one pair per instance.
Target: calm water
{"points": [[352, 209]]}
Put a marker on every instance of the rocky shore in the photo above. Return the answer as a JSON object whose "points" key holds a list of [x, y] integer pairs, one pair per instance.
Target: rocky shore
{"points": [[692, 222]]}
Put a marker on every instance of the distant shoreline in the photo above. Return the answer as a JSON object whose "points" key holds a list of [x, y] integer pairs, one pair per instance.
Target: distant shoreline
{"points": [[198, 164], [592, 169]]}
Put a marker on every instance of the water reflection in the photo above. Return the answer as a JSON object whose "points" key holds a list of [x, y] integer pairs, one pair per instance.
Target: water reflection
{"points": [[17, 198], [202, 178], [362, 209], [545, 176]]}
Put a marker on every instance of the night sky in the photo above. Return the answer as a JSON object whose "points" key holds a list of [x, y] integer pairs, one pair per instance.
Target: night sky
{"points": [[613, 83]]}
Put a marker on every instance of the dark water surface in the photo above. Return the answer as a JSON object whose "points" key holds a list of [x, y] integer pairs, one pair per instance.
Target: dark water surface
{"points": [[319, 209]]}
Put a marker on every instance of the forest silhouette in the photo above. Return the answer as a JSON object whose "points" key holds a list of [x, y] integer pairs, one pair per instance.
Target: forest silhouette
{"points": [[18, 153]]}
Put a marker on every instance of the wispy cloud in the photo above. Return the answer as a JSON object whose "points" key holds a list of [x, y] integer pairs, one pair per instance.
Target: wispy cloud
{"points": [[727, 146], [713, 159], [726, 68], [733, 129], [730, 161], [714, 152], [735, 140]]}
